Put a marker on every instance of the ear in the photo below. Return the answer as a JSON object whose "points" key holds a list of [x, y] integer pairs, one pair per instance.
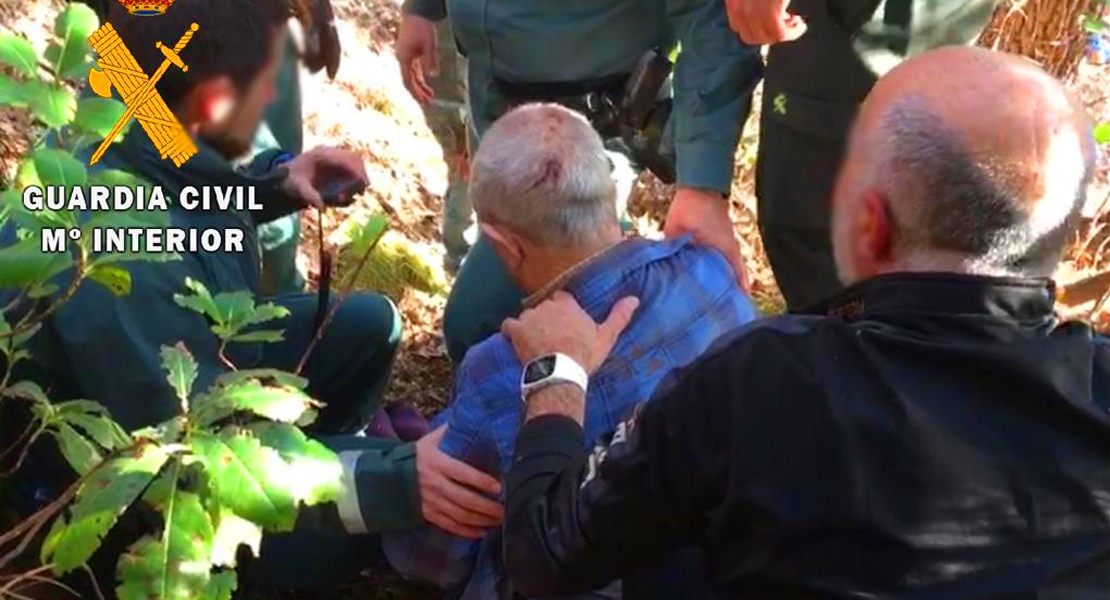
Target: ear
{"points": [[210, 101], [505, 244], [874, 229]]}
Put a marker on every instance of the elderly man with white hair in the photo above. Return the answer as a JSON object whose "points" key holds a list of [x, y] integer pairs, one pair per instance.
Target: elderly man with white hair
{"points": [[934, 433], [544, 197]]}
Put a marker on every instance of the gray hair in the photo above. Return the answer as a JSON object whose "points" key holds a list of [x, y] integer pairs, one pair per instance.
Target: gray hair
{"points": [[946, 200], [542, 171]]}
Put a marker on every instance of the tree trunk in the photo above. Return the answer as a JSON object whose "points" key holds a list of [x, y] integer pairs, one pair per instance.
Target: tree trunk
{"points": [[1050, 32]]}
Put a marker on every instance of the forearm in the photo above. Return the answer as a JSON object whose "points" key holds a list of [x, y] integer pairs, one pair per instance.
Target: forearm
{"points": [[549, 448], [714, 79]]}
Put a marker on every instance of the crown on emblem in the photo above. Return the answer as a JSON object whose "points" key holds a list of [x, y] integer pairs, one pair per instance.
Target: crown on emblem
{"points": [[146, 8]]}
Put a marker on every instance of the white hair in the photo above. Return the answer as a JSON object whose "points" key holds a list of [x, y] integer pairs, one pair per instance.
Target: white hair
{"points": [[542, 171]]}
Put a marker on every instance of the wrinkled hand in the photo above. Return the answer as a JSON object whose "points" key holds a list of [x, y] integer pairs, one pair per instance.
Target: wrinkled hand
{"points": [[322, 40], [417, 53], [759, 22], [311, 171], [705, 215], [560, 325], [454, 496]]}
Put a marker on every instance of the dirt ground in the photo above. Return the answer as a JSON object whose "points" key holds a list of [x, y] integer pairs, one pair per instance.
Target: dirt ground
{"points": [[366, 108]]}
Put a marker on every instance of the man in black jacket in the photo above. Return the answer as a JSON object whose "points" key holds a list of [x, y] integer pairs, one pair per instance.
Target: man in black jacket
{"points": [[935, 433]]}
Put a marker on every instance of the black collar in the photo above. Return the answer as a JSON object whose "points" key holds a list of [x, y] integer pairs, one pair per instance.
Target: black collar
{"points": [[1024, 300]]}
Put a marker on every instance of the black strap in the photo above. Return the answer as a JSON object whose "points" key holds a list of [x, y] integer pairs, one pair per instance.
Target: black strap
{"points": [[558, 91]]}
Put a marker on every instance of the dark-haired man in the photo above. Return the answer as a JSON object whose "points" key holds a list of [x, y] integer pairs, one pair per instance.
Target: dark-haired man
{"points": [[934, 432], [105, 347]]}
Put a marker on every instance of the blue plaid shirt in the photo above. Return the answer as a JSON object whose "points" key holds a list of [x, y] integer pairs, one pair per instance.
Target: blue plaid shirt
{"points": [[688, 298]]}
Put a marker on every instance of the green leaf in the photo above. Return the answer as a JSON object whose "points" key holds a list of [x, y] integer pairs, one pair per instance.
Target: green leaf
{"points": [[42, 290], [1094, 25], [97, 115], [117, 279], [55, 106], [267, 336], [81, 406], [362, 237], [78, 451], [230, 312], [19, 53], [248, 478], [176, 565], [25, 263], [283, 404], [11, 346], [200, 300], [28, 390], [266, 376], [73, 26], [315, 469], [1102, 133], [58, 167], [11, 92], [232, 532], [26, 175], [167, 432], [102, 429], [53, 537], [117, 177], [181, 369], [100, 502]]}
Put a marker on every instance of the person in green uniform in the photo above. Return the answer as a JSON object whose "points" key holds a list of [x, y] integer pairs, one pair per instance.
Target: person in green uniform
{"points": [[576, 51], [106, 347], [437, 81], [824, 57]]}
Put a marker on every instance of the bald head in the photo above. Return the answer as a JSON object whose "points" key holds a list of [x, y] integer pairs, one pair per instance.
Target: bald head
{"points": [[981, 160]]}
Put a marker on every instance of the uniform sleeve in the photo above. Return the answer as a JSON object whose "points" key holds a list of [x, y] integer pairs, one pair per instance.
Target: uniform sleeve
{"points": [[380, 481], [713, 83], [433, 10], [576, 520], [261, 173]]}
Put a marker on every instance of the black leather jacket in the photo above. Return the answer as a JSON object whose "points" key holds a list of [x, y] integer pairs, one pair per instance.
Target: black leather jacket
{"points": [[933, 436]]}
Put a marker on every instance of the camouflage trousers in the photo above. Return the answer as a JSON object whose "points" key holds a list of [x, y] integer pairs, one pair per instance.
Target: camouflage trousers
{"points": [[448, 116]]}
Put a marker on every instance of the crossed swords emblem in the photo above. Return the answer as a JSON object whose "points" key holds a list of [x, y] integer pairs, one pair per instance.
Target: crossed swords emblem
{"points": [[117, 68]]}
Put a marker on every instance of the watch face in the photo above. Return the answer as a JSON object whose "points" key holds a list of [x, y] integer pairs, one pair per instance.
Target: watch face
{"points": [[539, 369]]}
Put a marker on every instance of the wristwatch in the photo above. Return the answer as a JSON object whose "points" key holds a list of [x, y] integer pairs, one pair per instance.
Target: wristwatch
{"points": [[549, 370]]}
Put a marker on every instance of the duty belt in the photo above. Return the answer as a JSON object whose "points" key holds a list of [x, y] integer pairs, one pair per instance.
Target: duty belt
{"points": [[597, 99]]}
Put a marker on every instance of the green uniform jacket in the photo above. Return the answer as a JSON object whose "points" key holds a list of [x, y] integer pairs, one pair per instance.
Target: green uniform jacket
{"points": [[576, 40], [104, 347]]}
